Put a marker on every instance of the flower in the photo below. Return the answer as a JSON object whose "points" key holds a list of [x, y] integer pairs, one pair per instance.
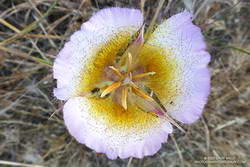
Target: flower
{"points": [[123, 92]]}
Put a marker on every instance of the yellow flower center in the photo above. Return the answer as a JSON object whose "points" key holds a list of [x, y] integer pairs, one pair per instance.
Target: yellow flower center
{"points": [[121, 86]]}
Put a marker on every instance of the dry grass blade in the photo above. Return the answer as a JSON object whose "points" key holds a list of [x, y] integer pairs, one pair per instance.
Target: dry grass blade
{"points": [[172, 121], [142, 4], [56, 23], [2, 21], [47, 36], [239, 49], [9, 163], [25, 55], [178, 150], [29, 27], [207, 132], [129, 162], [226, 45], [153, 21]]}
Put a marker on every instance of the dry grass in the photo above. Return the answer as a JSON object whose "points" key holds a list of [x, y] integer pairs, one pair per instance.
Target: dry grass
{"points": [[33, 31]]}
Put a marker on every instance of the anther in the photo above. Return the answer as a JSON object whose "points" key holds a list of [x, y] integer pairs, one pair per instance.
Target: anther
{"points": [[129, 62], [138, 76], [115, 70], [124, 98], [111, 88]]}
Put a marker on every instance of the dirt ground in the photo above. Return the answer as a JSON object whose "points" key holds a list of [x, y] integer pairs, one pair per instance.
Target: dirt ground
{"points": [[31, 127]]}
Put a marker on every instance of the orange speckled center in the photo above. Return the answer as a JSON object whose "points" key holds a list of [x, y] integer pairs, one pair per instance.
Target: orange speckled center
{"points": [[150, 59]]}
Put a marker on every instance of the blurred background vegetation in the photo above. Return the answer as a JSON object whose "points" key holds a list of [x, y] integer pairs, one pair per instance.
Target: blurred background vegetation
{"points": [[32, 132]]}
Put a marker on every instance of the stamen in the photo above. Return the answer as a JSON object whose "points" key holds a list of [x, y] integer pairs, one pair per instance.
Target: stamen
{"points": [[129, 62], [140, 93], [111, 88], [125, 98], [130, 75], [138, 76], [115, 70]]}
